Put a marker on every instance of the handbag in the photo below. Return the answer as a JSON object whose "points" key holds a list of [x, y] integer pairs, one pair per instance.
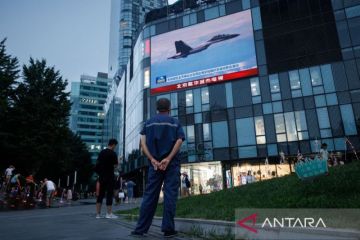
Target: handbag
{"points": [[121, 194]]}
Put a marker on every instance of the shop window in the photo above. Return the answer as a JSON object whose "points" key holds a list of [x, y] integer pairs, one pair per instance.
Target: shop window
{"points": [[208, 175]]}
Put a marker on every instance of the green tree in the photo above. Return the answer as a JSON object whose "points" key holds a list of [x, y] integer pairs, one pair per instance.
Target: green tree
{"points": [[34, 132], [39, 118], [9, 72]]}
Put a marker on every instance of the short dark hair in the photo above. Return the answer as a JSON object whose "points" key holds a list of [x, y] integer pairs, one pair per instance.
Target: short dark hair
{"points": [[112, 141], [163, 105]]}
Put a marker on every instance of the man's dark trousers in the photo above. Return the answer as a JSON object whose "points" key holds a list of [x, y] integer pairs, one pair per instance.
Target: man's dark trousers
{"points": [[171, 179]]}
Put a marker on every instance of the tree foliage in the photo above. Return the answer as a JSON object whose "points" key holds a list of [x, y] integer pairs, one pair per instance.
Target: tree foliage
{"points": [[38, 139]]}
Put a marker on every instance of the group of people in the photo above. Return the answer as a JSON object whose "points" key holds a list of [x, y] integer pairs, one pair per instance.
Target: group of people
{"points": [[19, 189]]}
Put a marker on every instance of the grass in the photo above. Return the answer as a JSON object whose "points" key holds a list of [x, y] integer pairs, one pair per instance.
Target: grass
{"points": [[339, 189]]}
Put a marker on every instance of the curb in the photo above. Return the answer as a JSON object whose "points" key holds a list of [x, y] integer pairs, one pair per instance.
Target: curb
{"points": [[202, 227]]}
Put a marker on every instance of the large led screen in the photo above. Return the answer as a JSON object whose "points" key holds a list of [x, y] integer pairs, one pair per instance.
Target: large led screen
{"points": [[214, 51]]}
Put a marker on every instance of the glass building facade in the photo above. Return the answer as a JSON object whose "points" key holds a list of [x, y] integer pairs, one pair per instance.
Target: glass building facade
{"points": [[306, 92], [127, 18], [87, 111]]}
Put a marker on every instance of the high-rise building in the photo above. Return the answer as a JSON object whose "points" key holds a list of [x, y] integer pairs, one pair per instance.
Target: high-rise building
{"points": [[127, 18], [87, 111]]}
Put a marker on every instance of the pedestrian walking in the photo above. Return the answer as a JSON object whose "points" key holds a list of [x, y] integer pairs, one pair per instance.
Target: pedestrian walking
{"points": [[106, 162], [161, 139], [185, 185], [130, 190]]}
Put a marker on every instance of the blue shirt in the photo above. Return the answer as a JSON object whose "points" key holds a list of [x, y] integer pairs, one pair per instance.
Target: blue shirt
{"points": [[162, 131]]}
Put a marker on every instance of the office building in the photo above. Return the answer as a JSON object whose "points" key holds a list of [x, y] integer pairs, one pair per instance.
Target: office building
{"points": [[87, 111]]}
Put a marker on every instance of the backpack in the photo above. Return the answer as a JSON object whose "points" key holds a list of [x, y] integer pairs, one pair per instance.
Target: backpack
{"points": [[187, 183]]}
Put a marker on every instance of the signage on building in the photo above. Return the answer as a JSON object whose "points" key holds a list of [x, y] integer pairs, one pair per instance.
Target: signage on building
{"points": [[218, 50]]}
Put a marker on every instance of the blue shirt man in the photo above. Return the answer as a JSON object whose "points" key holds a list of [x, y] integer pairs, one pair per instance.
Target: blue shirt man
{"points": [[161, 139]]}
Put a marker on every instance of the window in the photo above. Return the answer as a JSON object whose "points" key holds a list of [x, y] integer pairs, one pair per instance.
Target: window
{"points": [[220, 134], [207, 132], [189, 101], [315, 74], [256, 18], [229, 96], [260, 130], [347, 115], [190, 134], [290, 126], [301, 125], [245, 131], [146, 77], [324, 123], [205, 99], [255, 90], [211, 13], [280, 127], [353, 11], [255, 87], [295, 84], [272, 150], [274, 83]]}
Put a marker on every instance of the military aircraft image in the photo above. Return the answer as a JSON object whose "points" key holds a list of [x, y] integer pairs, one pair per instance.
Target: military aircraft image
{"points": [[183, 50]]}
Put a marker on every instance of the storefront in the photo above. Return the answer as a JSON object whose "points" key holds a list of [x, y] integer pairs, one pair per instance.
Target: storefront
{"points": [[245, 173], [206, 174]]}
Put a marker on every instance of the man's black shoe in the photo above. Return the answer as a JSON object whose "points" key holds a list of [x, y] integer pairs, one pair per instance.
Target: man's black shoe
{"points": [[169, 234], [136, 234]]}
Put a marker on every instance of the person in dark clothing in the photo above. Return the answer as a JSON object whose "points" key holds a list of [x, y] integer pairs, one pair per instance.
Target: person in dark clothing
{"points": [[161, 139], [106, 162]]}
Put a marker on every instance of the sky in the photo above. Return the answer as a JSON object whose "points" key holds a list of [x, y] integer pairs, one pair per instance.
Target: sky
{"points": [[72, 35]]}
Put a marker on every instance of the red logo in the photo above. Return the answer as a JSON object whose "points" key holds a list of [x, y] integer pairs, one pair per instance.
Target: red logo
{"points": [[251, 217]]}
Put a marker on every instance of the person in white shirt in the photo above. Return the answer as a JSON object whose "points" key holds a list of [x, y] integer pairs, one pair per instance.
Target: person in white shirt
{"points": [[324, 154], [50, 189], [9, 173]]}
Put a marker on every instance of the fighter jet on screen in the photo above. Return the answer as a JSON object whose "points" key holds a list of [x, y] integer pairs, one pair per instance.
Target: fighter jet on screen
{"points": [[183, 50]]}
